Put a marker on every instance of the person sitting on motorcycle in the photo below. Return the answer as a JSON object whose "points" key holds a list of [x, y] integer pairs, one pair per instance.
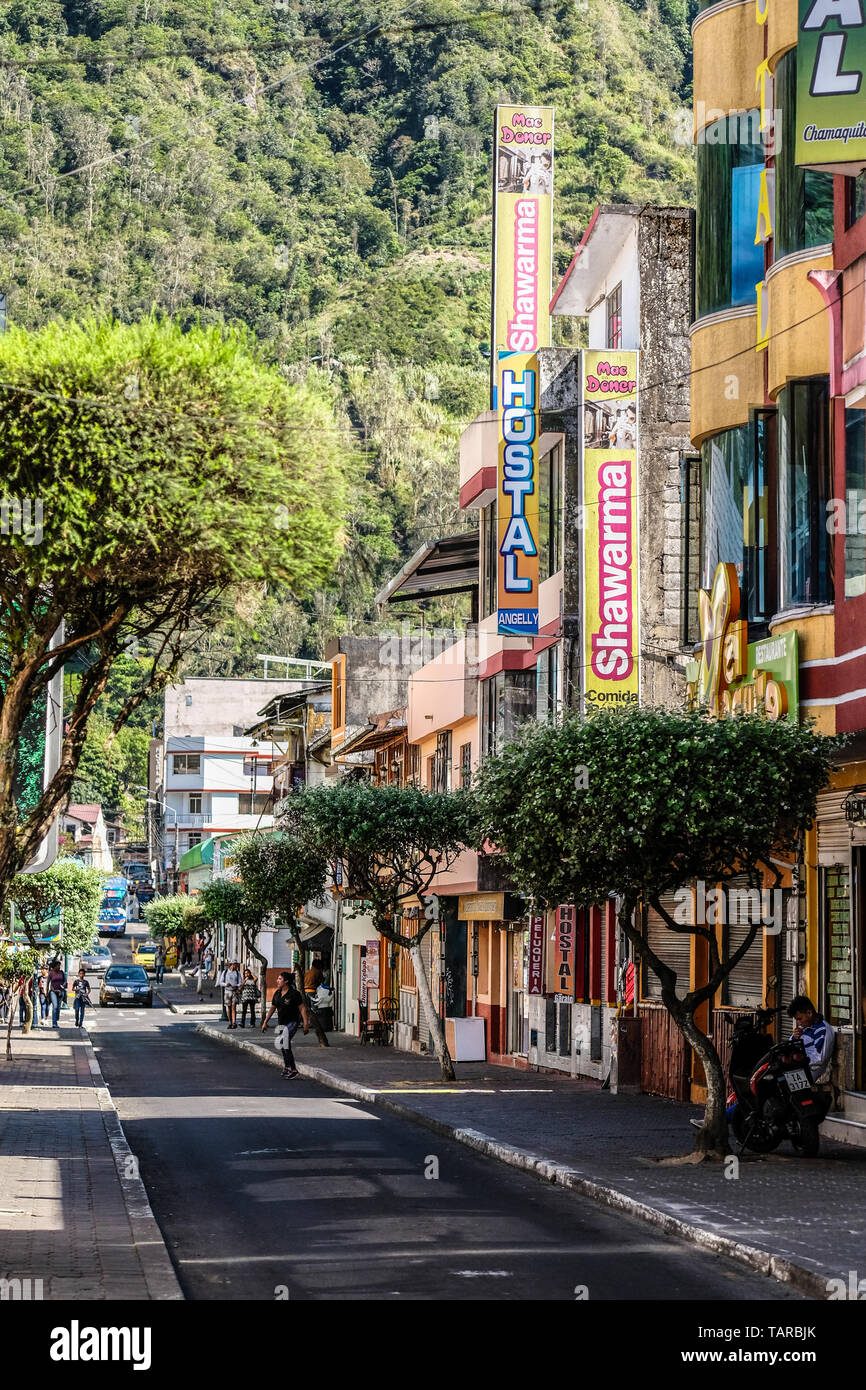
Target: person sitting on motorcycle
{"points": [[818, 1036]]}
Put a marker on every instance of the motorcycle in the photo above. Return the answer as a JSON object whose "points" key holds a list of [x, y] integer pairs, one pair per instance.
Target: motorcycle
{"points": [[773, 1095]]}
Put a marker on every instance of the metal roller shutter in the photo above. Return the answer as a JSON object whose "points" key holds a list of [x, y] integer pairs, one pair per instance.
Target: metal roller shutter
{"points": [[744, 987], [834, 833], [674, 948]]}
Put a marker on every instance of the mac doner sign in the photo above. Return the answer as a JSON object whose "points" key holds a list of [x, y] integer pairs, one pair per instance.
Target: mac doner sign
{"points": [[831, 85], [610, 529]]}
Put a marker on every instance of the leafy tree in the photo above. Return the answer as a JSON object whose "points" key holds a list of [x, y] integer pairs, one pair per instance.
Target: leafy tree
{"points": [[392, 842], [642, 803], [18, 964], [226, 900], [73, 889], [169, 467], [176, 915], [280, 875]]}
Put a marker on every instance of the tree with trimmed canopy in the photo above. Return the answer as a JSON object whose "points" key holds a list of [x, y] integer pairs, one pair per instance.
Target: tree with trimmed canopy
{"points": [[168, 469], [280, 875], [642, 803], [392, 842]]}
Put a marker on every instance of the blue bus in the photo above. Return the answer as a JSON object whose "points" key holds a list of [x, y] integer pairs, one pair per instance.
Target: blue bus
{"points": [[115, 907]]}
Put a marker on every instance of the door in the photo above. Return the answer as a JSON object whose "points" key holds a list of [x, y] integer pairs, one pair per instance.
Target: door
{"points": [[518, 995], [858, 855], [454, 983]]}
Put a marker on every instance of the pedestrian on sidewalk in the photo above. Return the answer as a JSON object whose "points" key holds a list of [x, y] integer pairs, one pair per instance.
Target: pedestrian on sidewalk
{"points": [[81, 991], [25, 992], [43, 989], [160, 963], [56, 991], [291, 1009], [250, 995], [232, 984]]}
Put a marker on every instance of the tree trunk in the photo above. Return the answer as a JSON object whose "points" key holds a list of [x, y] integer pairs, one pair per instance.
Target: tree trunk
{"points": [[263, 968], [319, 1031], [13, 999], [434, 1022], [712, 1137]]}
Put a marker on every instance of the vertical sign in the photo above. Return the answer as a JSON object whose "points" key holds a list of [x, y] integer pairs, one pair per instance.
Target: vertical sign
{"points": [[522, 229], [517, 586], [522, 269], [536, 954], [831, 86], [372, 959], [610, 532], [564, 938]]}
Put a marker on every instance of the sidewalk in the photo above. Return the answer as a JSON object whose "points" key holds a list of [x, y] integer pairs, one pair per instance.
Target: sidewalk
{"points": [[179, 994], [798, 1220], [73, 1215]]}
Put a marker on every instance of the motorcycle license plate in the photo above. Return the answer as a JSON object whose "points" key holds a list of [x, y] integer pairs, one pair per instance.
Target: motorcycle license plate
{"points": [[796, 1081]]}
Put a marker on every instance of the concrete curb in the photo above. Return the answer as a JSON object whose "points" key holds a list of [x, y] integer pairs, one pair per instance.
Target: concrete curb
{"points": [[807, 1281], [202, 1010], [156, 1264]]}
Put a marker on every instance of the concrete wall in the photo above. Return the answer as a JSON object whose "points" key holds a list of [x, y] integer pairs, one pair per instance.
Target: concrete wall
{"points": [[219, 706]]}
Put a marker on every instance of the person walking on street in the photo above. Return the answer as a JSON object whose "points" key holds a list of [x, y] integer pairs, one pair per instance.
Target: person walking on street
{"points": [[249, 998], [56, 990], [160, 963], [43, 989], [232, 984], [313, 977], [291, 1009], [81, 990], [25, 992]]}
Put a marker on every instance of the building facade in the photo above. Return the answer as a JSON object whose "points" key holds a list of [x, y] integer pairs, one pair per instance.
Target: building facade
{"points": [[778, 410]]}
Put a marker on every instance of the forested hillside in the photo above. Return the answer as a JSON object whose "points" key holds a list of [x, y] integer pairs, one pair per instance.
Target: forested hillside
{"points": [[320, 172]]}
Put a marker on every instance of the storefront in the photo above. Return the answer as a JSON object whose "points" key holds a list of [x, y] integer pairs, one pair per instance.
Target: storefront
{"points": [[838, 976]]}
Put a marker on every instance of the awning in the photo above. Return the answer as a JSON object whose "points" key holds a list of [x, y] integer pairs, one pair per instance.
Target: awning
{"points": [[202, 853], [446, 566]]}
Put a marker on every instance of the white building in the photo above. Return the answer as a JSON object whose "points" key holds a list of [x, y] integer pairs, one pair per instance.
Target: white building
{"points": [[213, 778]]}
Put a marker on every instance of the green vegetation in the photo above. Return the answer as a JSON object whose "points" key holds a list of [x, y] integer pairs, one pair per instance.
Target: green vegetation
{"points": [[72, 889], [173, 469], [261, 165], [641, 803]]}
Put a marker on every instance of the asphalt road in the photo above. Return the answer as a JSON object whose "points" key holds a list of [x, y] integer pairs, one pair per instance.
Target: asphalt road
{"points": [[267, 1189]]}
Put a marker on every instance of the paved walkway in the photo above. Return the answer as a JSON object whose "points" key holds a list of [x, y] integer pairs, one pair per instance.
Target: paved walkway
{"points": [[799, 1219], [75, 1216], [178, 991]]}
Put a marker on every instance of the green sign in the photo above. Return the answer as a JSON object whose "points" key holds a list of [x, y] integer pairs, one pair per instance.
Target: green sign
{"points": [[831, 85], [768, 682]]}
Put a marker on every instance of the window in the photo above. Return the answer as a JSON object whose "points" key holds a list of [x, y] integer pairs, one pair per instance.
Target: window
{"points": [[193, 839], [249, 805], [507, 700], [855, 199], [442, 763], [489, 560], [466, 764], [258, 767], [614, 318], [547, 685], [804, 197], [550, 513], [804, 487], [195, 803], [690, 556], [737, 517], [730, 159], [855, 501], [186, 764]]}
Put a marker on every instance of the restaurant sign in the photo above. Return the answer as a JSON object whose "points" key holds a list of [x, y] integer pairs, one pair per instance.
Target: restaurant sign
{"points": [[831, 86], [734, 674]]}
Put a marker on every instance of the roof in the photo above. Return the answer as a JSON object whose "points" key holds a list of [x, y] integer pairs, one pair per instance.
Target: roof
{"points": [[609, 229], [86, 811], [273, 716], [446, 566], [379, 729]]}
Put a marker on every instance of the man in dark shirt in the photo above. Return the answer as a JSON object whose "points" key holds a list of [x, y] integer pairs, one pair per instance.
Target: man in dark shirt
{"points": [[291, 1009]]}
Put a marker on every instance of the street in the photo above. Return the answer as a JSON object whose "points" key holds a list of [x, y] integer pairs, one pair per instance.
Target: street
{"points": [[270, 1190]]}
